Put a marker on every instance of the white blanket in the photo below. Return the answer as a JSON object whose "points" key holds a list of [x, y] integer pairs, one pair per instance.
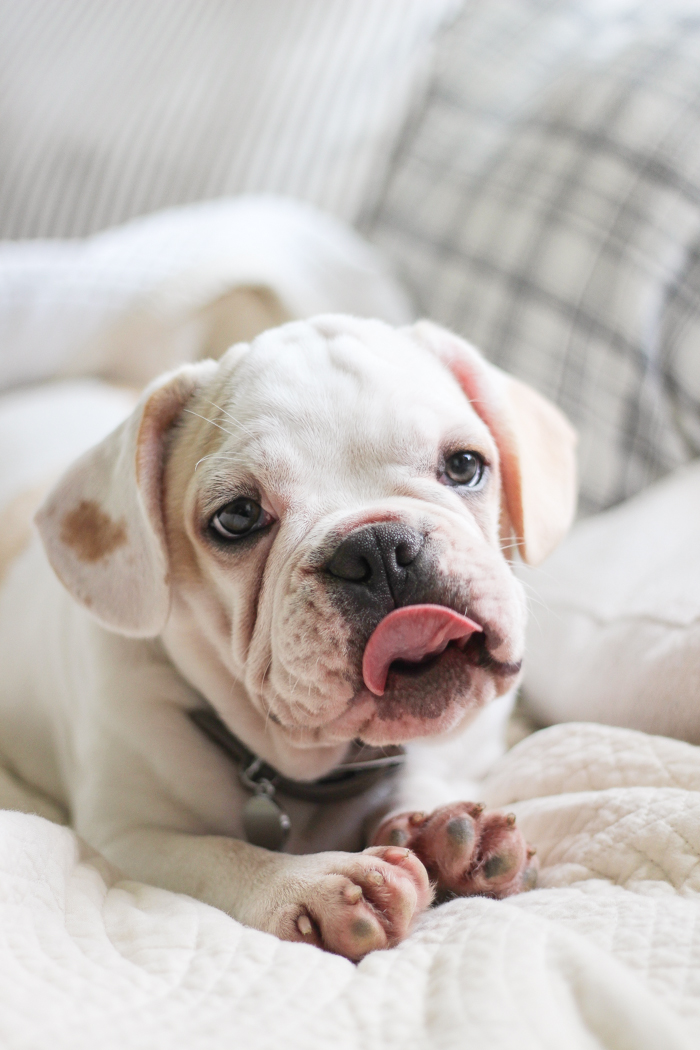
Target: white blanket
{"points": [[605, 954]]}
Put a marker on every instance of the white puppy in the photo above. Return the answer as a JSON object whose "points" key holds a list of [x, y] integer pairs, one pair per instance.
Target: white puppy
{"points": [[299, 547]]}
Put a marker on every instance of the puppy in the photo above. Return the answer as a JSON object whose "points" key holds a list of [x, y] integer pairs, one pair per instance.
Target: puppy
{"points": [[278, 568]]}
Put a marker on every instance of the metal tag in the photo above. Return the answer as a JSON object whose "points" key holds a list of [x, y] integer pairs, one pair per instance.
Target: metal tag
{"points": [[265, 823]]}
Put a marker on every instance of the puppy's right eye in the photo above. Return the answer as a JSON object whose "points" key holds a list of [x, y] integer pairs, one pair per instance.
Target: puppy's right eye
{"points": [[239, 518]]}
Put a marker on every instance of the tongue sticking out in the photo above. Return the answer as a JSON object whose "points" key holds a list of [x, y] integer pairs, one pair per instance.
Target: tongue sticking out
{"points": [[411, 633]]}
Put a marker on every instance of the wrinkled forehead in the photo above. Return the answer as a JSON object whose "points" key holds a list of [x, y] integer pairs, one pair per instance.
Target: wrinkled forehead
{"points": [[303, 404]]}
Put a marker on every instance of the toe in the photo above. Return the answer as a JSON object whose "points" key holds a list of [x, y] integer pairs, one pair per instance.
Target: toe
{"points": [[503, 859], [406, 877], [447, 842], [358, 934], [400, 830]]}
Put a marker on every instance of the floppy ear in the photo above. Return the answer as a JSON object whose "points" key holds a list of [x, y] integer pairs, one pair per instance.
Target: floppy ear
{"points": [[536, 444], [102, 524]]}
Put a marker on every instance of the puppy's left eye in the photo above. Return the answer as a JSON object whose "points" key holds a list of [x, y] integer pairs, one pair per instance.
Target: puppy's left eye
{"points": [[465, 468], [239, 518]]}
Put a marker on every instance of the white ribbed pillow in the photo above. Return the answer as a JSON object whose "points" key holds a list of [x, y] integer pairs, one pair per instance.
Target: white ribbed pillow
{"points": [[615, 629], [114, 108]]}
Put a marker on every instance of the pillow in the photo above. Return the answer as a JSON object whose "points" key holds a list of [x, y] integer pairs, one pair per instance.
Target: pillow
{"points": [[114, 108], [614, 634], [545, 204], [129, 303]]}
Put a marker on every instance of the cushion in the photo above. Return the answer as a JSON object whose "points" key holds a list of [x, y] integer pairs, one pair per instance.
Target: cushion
{"points": [[614, 634], [114, 108], [134, 301], [546, 205]]}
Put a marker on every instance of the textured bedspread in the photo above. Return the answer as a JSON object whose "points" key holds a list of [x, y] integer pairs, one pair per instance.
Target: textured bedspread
{"points": [[606, 953]]}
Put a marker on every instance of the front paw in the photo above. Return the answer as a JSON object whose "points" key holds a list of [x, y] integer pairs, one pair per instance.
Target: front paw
{"points": [[352, 903], [465, 850]]}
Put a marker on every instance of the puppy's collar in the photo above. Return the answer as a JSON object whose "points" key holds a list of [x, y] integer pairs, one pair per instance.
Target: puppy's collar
{"points": [[265, 822]]}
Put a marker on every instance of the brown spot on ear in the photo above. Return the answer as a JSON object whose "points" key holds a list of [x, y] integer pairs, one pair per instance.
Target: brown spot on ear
{"points": [[90, 532]]}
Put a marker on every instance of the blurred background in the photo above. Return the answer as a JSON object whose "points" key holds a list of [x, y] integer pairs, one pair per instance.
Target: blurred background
{"points": [[530, 168]]}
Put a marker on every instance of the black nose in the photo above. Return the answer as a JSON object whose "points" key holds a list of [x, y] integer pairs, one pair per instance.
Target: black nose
{"points": [[379, 563]]}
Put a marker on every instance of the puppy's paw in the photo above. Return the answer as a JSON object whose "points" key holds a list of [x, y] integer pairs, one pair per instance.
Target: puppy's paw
{"points": [[353, 903], [465, 850]]}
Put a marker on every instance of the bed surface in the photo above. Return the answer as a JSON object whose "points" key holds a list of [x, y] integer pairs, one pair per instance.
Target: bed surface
{"points": [[606, 953]]}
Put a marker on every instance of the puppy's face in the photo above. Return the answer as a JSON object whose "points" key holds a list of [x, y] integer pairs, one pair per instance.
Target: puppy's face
{"points": [[319, 527], [333, 480]]}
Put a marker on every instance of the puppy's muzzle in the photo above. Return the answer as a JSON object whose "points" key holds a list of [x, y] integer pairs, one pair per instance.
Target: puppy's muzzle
{"points": [[416, 665], [380, 566]]}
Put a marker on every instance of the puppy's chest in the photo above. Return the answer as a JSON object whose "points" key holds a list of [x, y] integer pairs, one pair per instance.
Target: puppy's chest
{"points": [[317, 827], [280, 813]]}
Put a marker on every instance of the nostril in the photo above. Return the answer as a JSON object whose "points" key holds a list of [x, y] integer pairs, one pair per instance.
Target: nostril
{"points": [[349, 565], [405, 554], [408, 550]]}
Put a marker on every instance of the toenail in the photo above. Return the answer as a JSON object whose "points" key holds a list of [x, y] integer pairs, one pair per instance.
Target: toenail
{"points": [[459, 830], [531, 851], [304, 924], [479, 808], [510, 819], [398, 837], [376, 877], [417, 818], [352, 894], [396, 854]]}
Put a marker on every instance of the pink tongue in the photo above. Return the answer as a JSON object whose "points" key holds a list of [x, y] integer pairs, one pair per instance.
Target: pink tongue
{"points": [[411, 633]]}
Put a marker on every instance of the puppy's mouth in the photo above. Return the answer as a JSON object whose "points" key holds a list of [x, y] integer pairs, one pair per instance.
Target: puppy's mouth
{"points": [[411, 640], [424, 669]]}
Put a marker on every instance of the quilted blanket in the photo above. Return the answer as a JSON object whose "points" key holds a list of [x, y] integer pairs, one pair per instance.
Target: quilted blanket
{"points": [[605, 953]]}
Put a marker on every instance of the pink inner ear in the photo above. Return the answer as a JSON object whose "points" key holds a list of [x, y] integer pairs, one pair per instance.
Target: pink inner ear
{"points": [[412, 633], [536, 445], [485, 403]]}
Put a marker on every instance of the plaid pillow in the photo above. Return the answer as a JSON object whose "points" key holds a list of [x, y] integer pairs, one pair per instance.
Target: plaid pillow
{"points": [[545, 203]]}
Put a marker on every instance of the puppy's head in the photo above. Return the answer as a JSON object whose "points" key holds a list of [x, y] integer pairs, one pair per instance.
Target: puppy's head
{"points": [[325, 518]]}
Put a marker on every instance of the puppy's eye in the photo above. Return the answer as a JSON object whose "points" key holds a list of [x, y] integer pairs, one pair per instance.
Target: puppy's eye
{"points": [[465, 468], [239, 518]]}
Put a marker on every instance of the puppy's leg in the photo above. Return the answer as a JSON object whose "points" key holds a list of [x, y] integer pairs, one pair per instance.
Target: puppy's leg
{"points": [[346, 903], [163, 803]]}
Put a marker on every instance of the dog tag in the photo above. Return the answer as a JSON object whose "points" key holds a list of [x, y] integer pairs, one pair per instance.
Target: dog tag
{"points": [[264, 823]]}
